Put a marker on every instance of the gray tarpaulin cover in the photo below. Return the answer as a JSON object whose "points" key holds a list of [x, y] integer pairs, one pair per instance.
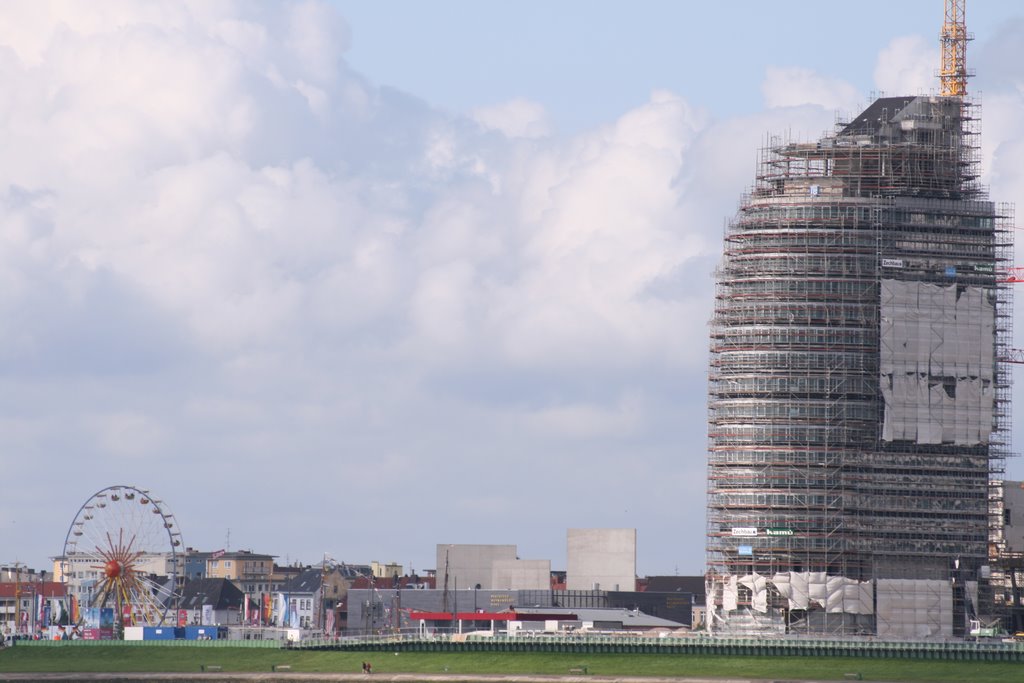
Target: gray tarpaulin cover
{"points": [[914, 608], [937, 363]]}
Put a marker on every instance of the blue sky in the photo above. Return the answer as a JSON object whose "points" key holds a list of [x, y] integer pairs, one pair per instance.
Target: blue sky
{"points": [[365, 277], [590, 61]]}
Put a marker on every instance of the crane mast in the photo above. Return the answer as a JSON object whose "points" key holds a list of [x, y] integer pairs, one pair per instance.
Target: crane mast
{"points": [[953, 74]]}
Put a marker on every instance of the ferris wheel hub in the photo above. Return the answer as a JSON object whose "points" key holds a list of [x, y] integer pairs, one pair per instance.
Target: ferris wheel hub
{"points": [[112, 569]]}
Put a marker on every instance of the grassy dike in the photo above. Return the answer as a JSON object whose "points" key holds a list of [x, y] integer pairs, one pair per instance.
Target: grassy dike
{"points": [[188, 659]]}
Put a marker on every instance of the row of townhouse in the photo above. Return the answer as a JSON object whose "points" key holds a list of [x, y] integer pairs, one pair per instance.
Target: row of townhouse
{"points": [[309, 599]]}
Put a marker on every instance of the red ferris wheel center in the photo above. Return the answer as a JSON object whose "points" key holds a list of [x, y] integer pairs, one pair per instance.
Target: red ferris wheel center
{"points": [[112, 569]]}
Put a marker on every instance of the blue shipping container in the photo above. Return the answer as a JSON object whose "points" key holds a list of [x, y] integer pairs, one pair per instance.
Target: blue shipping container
{"points": [[158, 633]]}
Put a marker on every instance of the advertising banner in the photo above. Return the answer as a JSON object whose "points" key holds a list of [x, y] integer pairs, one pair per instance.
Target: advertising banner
{"points": [[99, 623]]}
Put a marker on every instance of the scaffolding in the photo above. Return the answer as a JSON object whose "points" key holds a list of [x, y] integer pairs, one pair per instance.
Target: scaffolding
{"points": [[858, 406]]}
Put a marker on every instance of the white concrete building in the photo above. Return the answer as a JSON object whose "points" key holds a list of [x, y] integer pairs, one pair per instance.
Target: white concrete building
{"points": [[601, 559], [469, 566], [521, 575]]}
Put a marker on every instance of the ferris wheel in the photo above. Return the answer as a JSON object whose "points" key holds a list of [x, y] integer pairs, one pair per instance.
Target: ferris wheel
{"points": [[122, 552]]}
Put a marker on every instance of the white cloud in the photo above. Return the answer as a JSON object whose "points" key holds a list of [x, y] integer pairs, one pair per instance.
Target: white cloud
{"points": [[205, 207], [623, 419], [1002, 141], [128, 434], [907, 66], [796, 86], [518, 118], [440, 305], [604, 224], [318, 37]]}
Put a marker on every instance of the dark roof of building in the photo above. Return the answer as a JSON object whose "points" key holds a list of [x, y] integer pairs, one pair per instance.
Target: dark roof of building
{"points": [[307, 581], [220, 593], [672, 584], [880, 111]]}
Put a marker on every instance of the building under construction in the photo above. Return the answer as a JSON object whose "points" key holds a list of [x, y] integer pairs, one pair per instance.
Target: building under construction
{"points": [[858, 398]]}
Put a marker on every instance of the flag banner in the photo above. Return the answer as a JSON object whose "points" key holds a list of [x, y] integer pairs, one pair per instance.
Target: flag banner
{"points": [[58, 615], [280, 610]]}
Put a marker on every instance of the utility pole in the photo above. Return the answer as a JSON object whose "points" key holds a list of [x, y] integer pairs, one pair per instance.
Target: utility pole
{"points": [[444, 595]]}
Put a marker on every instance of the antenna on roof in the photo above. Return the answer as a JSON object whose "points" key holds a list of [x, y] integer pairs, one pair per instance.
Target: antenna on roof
{"points": [[953, 75]]}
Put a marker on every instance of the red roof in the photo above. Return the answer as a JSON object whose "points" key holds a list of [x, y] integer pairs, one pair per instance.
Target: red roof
{"points": [[50, 589]]}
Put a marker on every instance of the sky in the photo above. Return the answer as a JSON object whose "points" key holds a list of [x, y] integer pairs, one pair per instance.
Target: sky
{"points": [[358, 278]]}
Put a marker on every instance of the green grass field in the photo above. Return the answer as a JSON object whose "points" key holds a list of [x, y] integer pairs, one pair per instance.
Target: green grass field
{"points": [[187, 659]]}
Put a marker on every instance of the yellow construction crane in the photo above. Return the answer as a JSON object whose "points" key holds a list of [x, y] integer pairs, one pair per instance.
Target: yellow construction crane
{"points": [[953, 74]]}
